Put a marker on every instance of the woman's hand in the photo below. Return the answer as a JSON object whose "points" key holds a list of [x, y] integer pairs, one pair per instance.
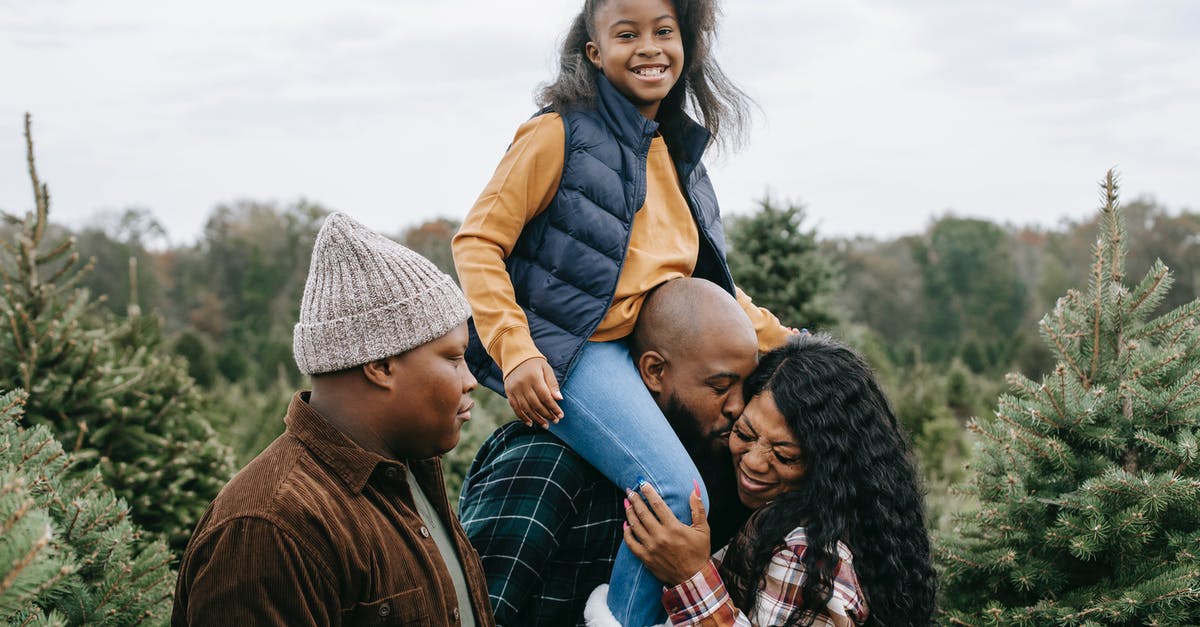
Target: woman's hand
{"points": [[532, 391], [670, 549]]}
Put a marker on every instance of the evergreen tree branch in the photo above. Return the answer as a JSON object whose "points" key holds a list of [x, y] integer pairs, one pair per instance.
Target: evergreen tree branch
{"points": [[1063, 351], [1098, 316], [1184, 315], [1184, 419], [1058, 408], [1159, 278], [18, 344], [1129, 391], [1167, 406], [1159, 445], [20, 565], [36, 450], [1113, 222], [58, 251], [67, 267], [1160, 365], [40, 195], [28, 267], [1031, 389], [17, 515]]}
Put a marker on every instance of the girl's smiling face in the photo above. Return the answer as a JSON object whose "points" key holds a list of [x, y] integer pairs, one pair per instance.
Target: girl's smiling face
{"points": [[637, 46], [767, 459]]}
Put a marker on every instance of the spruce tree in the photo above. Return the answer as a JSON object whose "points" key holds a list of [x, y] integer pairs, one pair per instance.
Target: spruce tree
{"points": [[781, 266], [1088, 483], [104, 385], [69, 553]]}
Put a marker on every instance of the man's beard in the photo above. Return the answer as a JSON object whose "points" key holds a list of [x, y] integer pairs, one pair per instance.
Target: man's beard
{"points": [[698, 445], [710, 453]]}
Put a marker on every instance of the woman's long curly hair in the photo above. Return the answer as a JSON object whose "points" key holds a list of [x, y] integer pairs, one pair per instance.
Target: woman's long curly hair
{"points": [[860, 487], [717, 103]]}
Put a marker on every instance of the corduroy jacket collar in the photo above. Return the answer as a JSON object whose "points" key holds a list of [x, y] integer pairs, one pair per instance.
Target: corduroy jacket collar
{"points": [[353, 464]]}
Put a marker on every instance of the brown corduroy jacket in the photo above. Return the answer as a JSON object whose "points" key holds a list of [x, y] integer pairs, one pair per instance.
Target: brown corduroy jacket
{"points": [[318, 531]]}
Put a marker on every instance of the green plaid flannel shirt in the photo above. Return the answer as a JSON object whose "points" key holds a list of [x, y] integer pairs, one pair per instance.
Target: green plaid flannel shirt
{"points": [[545, 522]]}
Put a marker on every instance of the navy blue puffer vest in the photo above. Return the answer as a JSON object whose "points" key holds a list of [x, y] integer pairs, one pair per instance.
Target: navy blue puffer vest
{"points": [[565, 265]]}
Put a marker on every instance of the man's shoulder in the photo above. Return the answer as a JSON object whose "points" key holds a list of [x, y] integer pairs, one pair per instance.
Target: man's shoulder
{"points": [[266, 504], [277, 488], [516, 447], [518, 463]]}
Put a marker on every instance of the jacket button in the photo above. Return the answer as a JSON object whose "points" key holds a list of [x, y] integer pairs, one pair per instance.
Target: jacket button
{"points": [[455, 613], [385, 609], [424, 532]]}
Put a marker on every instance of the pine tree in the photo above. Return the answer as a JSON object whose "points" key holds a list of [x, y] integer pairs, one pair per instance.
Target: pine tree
{"points": [[781, 266], [67, 546], [1088, 483], [105, 386]]}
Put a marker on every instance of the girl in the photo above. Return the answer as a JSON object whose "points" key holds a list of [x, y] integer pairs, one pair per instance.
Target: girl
{"points": [[838, 536], [600, 198]]}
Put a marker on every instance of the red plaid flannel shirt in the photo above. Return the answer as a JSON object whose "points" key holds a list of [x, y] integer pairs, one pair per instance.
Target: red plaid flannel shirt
{"points": [[703, 599]]}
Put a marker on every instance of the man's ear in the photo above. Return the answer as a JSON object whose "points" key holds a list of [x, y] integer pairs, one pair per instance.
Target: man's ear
{"points": [[651, 365], [381, 373]]}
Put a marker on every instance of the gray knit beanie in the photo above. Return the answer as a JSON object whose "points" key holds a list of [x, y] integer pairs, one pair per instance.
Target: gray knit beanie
{"points": [[369, 298]]}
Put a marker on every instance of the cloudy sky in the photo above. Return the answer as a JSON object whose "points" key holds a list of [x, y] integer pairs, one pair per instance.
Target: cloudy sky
{"points": [[876, 114]]}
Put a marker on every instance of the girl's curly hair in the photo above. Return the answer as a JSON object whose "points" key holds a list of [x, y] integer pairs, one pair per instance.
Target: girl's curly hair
{"points": [[860, 487], [717, 103]]}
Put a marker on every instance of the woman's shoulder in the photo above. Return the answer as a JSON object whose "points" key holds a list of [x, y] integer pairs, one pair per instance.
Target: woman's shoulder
{"points": [[797, 541], [847, 599]]}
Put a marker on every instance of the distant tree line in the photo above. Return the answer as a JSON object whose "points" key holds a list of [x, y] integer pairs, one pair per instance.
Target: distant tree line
{"points": [[973, 290], [942, 314]]}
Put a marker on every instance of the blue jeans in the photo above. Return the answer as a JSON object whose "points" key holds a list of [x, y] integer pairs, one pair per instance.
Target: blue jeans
{"points": [[610, 419]]}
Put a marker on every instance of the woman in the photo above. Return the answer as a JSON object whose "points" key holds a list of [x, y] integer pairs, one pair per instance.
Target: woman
{"points": [[838, 535]]}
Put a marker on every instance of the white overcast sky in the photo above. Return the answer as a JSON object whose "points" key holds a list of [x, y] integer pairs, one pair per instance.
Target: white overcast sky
{"points": [[876, 114]]}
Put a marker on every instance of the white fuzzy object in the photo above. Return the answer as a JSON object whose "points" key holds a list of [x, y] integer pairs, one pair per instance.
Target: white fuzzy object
{"points": [[596, 612]]}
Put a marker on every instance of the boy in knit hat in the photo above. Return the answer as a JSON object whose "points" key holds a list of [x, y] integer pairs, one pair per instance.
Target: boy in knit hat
{"points": [[343, 519]]}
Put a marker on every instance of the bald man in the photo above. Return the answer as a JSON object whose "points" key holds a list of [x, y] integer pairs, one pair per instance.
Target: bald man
{"points": [[546, 524]]}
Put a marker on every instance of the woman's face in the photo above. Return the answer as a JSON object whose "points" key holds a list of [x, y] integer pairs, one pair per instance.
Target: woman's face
{"points": [[767, 458]]}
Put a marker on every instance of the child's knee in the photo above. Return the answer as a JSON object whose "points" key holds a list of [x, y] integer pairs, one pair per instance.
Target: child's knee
{"points": [[677, 494]]}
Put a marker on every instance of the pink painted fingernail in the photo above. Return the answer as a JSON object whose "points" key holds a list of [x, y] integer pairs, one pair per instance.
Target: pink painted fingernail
{"points": [[626, 503], [696, 483], [626, 525]]}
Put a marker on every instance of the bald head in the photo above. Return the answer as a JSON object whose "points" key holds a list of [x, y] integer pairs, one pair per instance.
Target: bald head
{"points": [[693, 347], [680, 314]]}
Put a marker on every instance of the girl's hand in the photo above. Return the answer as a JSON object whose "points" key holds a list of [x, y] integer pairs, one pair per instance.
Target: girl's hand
{"points": [[532, 390], [670, 549]]}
